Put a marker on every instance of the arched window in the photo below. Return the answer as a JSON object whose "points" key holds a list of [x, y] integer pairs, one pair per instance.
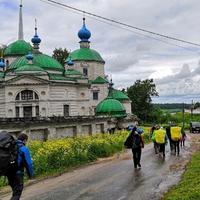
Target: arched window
{"points": [[26, 95]]}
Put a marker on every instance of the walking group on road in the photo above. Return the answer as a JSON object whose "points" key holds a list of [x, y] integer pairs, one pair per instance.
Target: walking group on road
{"points": [[160, 137]]}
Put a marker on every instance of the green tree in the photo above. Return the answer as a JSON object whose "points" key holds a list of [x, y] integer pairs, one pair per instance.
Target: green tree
{"points": [[140, 94], [196, 105], [60, 55]]}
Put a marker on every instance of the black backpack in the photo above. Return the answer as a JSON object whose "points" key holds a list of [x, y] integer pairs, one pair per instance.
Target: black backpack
{"points": [[8, 153], [136, 141], [129, 142]]}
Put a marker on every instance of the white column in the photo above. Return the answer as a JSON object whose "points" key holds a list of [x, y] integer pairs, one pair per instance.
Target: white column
{"points": [[33, 111], [21, 109]]}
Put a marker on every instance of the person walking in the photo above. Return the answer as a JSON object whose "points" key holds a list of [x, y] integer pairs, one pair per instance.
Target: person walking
{"points": [[161, 139], [16, 177], [176, 137], [183, 138], [169, 137], [152, 136], [137, 146]]}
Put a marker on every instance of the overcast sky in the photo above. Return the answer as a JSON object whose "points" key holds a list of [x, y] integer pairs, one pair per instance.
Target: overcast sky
{"points": [[128, 56]]}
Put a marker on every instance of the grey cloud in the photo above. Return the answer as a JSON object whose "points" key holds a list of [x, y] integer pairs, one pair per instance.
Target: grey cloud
{"points": [[184, 73]]}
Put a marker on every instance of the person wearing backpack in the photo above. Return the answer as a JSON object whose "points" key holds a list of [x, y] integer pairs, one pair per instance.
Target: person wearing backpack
{"points": [[152, 137], [161, 139], [16, 177], [137, 146], [176, 137]]}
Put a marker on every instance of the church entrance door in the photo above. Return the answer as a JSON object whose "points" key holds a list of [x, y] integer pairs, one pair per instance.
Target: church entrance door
{"points": [[27, 111]]}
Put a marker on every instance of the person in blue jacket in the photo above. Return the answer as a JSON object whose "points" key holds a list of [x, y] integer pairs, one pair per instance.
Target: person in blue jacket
{"points": [[24, 161]]}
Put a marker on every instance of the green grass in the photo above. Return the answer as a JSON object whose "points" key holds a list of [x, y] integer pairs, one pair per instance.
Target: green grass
{"points": [[189, 186]]}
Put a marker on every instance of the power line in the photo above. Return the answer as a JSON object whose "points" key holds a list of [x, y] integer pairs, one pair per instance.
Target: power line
{"points": [[121, 23]]}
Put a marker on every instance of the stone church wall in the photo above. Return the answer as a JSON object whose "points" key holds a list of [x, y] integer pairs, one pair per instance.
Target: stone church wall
{"points": [[56, 128], [2, 102]]}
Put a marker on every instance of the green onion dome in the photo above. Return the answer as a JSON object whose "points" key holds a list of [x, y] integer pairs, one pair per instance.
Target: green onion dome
{"points": [[17, 48], [86, 54], [2, 64], [111, 107], [44, 61], [119, 95]]}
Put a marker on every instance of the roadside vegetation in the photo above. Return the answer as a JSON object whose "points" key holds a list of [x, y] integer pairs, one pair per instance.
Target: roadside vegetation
{"points": [[59, 155], [188, 187]]}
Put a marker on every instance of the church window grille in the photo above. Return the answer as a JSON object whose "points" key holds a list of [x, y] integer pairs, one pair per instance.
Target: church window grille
{"points": [[85, 71], [26, 95], [95, 95]]}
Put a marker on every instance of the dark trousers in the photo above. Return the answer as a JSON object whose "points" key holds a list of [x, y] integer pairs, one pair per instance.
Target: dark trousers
{"points": [[162, 149], [156, 147], [176, 147], [16, 182], [171, 144], [183, 142], [136, 156]]}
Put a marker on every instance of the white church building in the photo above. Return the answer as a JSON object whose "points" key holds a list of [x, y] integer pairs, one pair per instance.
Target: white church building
{"points": [[41, 97]]}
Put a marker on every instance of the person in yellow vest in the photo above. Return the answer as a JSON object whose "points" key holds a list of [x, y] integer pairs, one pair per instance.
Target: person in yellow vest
{"points": [[176, 137], [152, 137], [161, 139]]}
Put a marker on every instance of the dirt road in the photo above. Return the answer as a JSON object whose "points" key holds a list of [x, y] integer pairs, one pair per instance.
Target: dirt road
{"points": [[114, 179]]}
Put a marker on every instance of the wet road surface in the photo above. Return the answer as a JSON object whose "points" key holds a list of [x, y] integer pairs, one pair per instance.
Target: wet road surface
{"points": [[115, 179]]}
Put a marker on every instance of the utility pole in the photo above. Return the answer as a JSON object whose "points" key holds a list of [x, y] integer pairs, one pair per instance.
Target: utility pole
{"points": [[183, 115], [191, 113]]}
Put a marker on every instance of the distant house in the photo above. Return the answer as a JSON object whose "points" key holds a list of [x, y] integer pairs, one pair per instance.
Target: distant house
{"points": [[194, 111]]}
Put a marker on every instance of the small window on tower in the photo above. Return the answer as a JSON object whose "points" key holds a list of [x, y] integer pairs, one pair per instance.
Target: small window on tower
{"points": [[95, 95], [85, 71], [66, 110]]}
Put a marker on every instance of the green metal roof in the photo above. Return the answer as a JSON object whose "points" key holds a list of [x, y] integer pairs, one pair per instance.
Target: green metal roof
{"points": [[60, 77], [29, 68], [19, 47], [44, 61], [86, 54], [111, 107], [119, 95], [99, 80], [1, 74], [72, 72]]}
